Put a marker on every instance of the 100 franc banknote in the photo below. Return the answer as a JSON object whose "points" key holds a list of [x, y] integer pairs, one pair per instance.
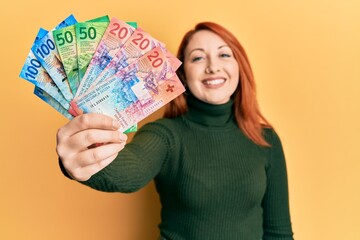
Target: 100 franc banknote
{"points": [[34, 72], [47, 54], [52, 102]]}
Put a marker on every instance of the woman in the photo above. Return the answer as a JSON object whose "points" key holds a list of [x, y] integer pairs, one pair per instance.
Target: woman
{"points": [[218, 165]]}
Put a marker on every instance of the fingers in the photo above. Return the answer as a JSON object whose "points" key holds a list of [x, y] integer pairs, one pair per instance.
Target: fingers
{"points": [[88, 121], [98, 154], [74, 141], [82, 140], [94, 168], [92, 160]]}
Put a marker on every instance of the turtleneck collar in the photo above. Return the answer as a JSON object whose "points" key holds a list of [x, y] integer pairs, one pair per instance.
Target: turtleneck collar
{"points": [[208, 114]]}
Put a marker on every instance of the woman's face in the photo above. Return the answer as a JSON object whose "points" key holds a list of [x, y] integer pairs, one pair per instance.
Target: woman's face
{"points": [[211, 71]]}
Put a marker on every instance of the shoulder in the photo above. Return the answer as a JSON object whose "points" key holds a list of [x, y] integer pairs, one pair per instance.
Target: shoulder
{"points": [[272, 137], [276, 151]]}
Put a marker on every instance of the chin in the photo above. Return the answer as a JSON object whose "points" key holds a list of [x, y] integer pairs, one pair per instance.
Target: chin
{"points": [[216, 101]]}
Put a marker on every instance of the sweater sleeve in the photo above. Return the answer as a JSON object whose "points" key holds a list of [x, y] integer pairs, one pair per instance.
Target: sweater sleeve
{"points": [[277, 223], [137, 164]]}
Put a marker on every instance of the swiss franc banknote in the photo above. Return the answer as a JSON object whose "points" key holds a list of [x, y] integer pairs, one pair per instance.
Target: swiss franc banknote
{"points": [[65, 41], [46, 52], [102, 65], [88, 36], [139, 43], [134, 92], [35, 73], [115, 36], [52, 102]]}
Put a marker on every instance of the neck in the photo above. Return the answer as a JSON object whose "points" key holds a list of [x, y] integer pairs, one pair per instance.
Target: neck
{"points": [[208, 114]]}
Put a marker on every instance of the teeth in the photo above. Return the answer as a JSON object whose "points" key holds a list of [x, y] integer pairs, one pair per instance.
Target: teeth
{"points": [[214, 82]]}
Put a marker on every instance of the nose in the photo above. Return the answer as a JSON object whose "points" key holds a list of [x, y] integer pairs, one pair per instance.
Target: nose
{"points": [[212, 67]]}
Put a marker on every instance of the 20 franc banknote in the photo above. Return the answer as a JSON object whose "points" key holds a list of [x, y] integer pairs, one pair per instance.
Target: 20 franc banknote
{"points": [[134, 92]]}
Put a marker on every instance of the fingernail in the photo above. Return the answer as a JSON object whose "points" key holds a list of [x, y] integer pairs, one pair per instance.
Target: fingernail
{"points": [[124, 137]]}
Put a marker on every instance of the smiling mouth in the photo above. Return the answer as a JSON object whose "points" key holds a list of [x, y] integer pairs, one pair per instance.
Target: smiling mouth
{"points": [[213, 82]]}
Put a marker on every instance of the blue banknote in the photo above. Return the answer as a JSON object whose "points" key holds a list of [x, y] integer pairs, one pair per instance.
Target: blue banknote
{"points": [[34, 72], [47, 54], [52, 102]]}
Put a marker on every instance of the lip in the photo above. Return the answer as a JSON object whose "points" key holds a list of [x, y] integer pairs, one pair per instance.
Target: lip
{"points": [[214, 82]]}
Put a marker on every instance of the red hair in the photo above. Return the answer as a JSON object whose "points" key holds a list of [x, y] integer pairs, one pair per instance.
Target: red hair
{"points": [[246, 109]]}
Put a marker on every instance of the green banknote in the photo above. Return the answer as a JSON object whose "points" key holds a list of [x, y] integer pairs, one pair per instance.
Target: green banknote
{"points": [[102, 65], [116, 34], [88, 36], [46, 53], [100, 19], [65, 41]]}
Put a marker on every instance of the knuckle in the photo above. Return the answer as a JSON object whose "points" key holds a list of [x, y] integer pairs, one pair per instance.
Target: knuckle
{"points": [[60, 134], [101, 164], [59, 150], [66, 165], [78, 175], [84, 120], [95, 156], [90, 137], [73, 172], [107, 121]]}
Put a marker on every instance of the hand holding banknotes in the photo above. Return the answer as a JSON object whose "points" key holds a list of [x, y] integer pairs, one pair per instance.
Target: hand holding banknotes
{"points": [[88, 143]]}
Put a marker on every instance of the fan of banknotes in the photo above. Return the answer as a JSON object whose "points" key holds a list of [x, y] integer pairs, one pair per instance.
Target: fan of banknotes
{"points": [[105, 66]]}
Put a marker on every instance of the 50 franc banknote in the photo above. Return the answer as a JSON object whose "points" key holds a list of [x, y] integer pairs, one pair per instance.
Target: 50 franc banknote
{"points": [[115, 36]]}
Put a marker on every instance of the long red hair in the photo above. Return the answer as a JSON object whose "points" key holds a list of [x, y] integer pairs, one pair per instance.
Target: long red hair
{"points": [[246, 108]]}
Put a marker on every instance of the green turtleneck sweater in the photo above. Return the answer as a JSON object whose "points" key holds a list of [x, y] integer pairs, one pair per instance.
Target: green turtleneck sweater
{"points": [[214, 183]]}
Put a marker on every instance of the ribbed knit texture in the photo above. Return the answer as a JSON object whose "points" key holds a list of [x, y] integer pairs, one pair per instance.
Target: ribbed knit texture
{"points": [[214, 183]]}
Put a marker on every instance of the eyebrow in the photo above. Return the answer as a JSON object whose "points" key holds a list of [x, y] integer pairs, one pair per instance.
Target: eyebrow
{"points": [[202, 50]]}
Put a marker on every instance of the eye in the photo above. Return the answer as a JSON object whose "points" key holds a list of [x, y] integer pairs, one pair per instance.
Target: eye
{"points": [[225, 55], [196, 59]]}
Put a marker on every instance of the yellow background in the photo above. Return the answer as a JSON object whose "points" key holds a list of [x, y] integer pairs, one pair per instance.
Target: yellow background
{"points": [[305, 56]]}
